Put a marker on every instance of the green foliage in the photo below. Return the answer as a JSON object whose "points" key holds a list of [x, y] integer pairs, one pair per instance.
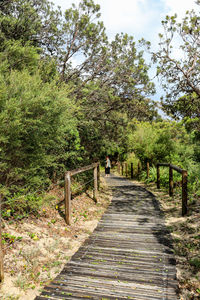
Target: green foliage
{"points": [[154, 142], [164, 176], [31, 21], [9, 238], [165, 142], [195, 262], [180, 75], [38, 134], [84, 35], [55, 116], [17, 56], [134, 160], [20, 205]]}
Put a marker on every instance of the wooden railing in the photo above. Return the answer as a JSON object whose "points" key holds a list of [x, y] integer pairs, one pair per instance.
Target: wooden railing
{"points": [[123, 167], [67, 187], [171, 184]]}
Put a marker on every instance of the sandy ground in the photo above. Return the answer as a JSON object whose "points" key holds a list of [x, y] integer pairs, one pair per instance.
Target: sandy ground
{"points": [[47, 243]]}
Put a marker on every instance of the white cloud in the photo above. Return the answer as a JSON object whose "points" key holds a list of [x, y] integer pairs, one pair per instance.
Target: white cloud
{"points": [[179, 6], [136, 17], [140, 18], [119, 17]]}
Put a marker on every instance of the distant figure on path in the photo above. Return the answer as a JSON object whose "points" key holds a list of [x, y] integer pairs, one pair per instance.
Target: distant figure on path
{"points": [[107, 167]]}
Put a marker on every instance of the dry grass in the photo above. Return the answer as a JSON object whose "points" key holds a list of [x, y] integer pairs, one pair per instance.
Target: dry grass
{"points": [[47, 242]]}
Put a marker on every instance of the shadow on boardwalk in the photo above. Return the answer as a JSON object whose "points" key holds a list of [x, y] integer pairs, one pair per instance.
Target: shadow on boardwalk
{"points": [[128, 256]]}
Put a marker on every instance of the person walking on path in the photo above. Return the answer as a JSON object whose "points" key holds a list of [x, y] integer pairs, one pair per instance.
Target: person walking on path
{"points": [[108, 166]]}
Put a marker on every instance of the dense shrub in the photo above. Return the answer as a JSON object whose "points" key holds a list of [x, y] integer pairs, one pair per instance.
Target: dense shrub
{"points": [[38, 133]]}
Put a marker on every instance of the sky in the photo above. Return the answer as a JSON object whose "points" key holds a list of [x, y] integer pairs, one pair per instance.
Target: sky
{"points": [[139, 18]]}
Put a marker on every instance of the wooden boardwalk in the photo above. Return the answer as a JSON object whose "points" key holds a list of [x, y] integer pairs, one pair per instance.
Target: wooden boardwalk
{"points": [[128, 256]]}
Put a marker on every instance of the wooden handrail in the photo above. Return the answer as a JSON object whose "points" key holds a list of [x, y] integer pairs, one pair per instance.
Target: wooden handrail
{"points": [[83, 169], [178, 169], [67, 187], [171, 184], [163, 164]]}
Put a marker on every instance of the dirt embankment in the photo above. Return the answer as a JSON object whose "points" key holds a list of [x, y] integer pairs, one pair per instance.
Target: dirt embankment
{"points": [[42, 246]]}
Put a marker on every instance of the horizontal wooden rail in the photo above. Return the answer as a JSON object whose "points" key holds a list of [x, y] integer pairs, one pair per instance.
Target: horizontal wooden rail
{"points": [[67, 187], [163, 164], [178, 169], [171, 184], [83, 169]]}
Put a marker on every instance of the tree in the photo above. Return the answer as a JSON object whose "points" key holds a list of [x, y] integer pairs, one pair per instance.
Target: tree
{"points": [[38, 130], [162, 141], [83, 35], [111, 81], [122, 84], [180, 76], [109, 87], [35, 22]]}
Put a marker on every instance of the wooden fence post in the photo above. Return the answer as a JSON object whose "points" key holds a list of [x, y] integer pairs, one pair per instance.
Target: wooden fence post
{"points": [[1, 252], [147, 169], [184, 192], [122, 169], [158, 176], [118, 167], [98, 177], [131, 170], [126, 168], [68, 198], [170, 181], [138, 172], [95, 184]]}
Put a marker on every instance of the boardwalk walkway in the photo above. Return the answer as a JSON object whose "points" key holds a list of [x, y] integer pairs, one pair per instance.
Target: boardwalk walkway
{"points": [[128, 256]]}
